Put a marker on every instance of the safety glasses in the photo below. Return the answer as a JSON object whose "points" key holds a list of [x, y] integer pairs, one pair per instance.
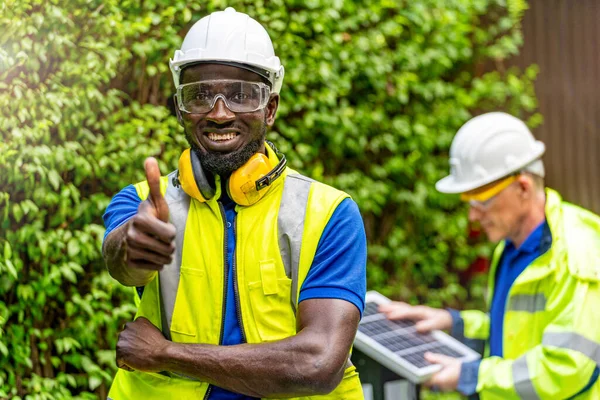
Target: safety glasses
{"points": [[239, 96], [482, 198]]}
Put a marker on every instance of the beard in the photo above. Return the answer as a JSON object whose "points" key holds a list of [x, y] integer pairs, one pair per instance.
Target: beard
{"points": [[223, 164]]}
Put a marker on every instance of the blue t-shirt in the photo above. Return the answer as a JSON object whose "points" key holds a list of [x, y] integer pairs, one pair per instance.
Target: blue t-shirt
{"points": [[338, 270]]}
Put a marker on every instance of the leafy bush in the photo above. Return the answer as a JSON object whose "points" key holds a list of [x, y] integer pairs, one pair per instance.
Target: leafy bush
{"points": [[373, 94]]}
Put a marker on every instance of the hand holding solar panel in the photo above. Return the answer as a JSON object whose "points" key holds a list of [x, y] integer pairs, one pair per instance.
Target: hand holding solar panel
{"points": [[447, 378], [426, 318], [398, 345]]}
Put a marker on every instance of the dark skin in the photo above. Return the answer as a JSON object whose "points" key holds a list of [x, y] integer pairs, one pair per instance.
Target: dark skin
{"points": [[309, 363], [136, 250], [248, 126]]}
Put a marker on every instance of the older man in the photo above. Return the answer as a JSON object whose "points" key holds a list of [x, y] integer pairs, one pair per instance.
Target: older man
{"points": [[250, 277], [542, 330]]}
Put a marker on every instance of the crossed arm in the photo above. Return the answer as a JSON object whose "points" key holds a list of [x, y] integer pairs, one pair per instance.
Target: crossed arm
{"points": [[311, 362]]}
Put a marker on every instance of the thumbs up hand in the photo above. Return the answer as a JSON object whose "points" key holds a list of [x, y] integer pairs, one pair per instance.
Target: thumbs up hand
{"points": [[156, 197], [150, 236]]}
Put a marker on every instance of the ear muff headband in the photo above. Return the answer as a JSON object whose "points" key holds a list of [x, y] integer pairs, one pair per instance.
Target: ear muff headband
{"points": [[192, 178]]}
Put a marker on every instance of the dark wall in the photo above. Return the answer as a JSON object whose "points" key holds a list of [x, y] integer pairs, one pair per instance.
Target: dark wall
{"points": [[563, 38]]}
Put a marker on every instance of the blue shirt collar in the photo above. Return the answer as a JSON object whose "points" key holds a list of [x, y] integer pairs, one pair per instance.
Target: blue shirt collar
{"points": [[539, 240]]}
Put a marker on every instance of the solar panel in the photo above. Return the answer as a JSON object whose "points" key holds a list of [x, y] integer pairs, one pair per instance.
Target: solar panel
{"points": [[398, 346]]}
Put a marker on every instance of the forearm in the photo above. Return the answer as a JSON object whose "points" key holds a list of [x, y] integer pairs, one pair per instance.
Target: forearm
{"points": [[114, 251], [301, 365]]}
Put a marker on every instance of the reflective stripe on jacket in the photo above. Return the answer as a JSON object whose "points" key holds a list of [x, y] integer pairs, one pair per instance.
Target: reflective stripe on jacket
{"points": [[276, 240], [551, 337]]}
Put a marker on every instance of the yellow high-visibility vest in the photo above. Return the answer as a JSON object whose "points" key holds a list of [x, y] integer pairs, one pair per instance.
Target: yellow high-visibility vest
{"points": [[276, 241]]}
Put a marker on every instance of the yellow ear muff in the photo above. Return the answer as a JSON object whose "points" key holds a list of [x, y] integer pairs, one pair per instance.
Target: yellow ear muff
{"points": [[191, 177], [242, 187], [245, 186]]}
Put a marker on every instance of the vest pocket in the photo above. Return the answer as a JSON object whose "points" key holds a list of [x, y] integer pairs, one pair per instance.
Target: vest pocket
{"points": [[271, 306], [268, 276], [180, 336], [183, 324]]}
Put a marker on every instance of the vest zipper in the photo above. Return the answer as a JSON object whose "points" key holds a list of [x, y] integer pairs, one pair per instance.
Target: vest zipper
{"points": [[235, 286], [226, 267]]}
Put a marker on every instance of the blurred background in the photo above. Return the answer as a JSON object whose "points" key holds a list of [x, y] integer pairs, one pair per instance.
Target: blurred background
{"points": [[374, 92]]}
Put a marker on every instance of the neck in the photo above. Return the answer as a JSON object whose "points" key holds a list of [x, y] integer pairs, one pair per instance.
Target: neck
{"points": [[531, 219]]}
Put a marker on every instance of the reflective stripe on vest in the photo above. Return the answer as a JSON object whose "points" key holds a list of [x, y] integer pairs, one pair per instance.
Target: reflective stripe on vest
{"points": [[179, 204], [527, 302], [522, 379], [573, 341], [566, 340], [290, 223]]}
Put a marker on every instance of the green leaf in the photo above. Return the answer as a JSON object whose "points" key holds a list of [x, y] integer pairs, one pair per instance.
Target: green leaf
{"points": [[68, 273], [54, 179], [94, 382], [7, 251], [73, 247], [43, 246], [71, 380], [11, 268], [3, 349]]}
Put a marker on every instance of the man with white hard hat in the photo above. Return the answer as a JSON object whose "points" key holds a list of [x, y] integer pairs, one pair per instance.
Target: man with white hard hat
{"points": [[542, 331], [250, 278]]}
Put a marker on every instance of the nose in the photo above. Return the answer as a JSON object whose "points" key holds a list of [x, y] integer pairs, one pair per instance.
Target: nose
{"points": [[220, 113]]}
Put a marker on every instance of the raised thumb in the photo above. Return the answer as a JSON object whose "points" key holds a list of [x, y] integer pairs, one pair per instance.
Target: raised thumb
{"points": [[156, 197]]}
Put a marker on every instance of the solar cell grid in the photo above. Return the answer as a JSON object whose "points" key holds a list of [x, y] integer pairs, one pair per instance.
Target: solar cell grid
{"points": [[403, 324], [417, 358], [370, 309], [397, 344]]}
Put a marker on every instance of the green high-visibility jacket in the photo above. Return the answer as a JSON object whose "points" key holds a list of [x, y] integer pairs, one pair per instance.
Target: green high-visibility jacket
{"points": [[551, 337]]}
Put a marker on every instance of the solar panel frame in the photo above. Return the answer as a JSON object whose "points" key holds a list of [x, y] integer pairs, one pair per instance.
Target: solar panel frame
{"points": [[401, 364]]}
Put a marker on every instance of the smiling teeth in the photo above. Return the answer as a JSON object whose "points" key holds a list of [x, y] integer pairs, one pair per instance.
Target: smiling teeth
{"points": [[221, 137]]}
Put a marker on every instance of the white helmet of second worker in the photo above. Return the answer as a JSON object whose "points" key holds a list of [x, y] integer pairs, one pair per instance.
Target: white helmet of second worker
{"points": [[231, 38], [489, 147]]}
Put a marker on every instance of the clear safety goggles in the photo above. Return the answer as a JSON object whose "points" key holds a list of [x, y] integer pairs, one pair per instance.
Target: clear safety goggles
{"points": [[482, 198], [239, 96]]}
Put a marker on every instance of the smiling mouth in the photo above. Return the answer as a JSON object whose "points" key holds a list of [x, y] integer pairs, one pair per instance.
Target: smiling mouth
{"points": [[221, 137]]}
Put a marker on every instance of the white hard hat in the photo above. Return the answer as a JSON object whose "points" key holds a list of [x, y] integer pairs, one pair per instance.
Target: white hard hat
{"points": [[489, 147], [232, 38]]}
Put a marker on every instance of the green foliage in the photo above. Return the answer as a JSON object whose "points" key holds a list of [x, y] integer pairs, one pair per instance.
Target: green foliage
{"points": [[72, 135], [373, 93]]}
